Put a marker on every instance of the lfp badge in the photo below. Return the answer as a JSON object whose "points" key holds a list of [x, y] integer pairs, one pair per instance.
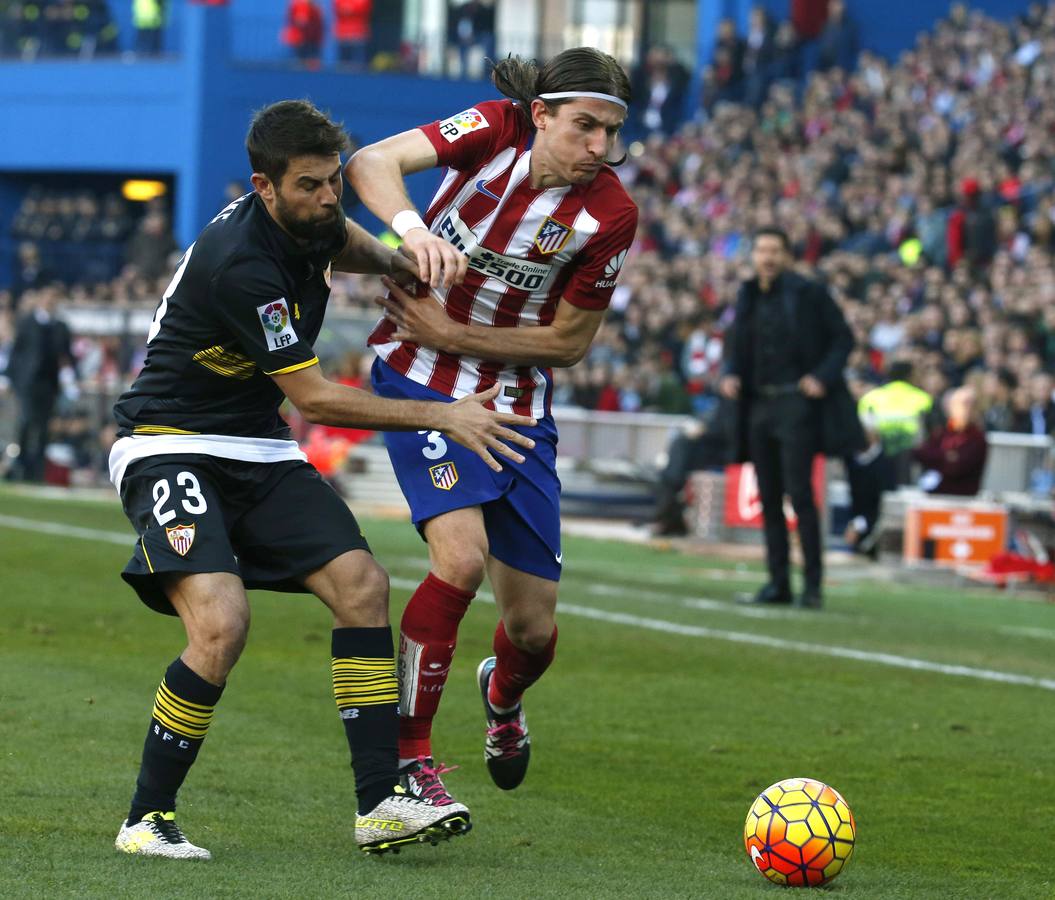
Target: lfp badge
{"points": [[278, 329], [463, 123], [275, 316]]}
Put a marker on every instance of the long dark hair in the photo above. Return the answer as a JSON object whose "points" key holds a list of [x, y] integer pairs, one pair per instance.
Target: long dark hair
{"points": [[577, 69]]}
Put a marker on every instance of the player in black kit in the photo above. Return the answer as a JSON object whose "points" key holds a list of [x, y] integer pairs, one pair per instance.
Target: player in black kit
{"points": [[223, 499]]}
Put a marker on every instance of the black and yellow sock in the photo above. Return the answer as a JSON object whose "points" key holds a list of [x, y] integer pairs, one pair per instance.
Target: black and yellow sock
{"points": [[367, 694], [183, 708]]}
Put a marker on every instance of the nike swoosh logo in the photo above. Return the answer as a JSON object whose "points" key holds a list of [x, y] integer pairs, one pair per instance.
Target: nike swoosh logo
{"points": [[481, 186], [757, 859], [559, 557]]}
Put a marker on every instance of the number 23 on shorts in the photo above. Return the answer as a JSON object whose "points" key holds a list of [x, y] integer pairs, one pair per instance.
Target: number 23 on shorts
{"points": [[193, 502]]}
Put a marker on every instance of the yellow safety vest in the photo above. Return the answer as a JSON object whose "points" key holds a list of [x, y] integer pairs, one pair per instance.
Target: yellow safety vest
{"points": [[146, 14], [893, 411]]}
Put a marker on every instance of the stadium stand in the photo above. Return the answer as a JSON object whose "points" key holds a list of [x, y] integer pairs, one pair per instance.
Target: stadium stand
{"points": [[919, 189], [57, 28], [76, 238]]}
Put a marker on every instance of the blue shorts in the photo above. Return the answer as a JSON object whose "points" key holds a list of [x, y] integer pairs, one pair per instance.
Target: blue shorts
{"points": [[520, 504]]}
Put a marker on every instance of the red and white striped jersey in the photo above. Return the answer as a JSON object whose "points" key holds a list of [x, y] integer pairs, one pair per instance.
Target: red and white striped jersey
{"points": [[528, 250]]}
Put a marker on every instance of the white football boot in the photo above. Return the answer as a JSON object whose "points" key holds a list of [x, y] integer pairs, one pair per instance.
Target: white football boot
{"points": [[403, 819], [157, 834]]}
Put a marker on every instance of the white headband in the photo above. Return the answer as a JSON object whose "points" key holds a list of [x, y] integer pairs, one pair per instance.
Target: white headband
{"points": [[561, 95]]}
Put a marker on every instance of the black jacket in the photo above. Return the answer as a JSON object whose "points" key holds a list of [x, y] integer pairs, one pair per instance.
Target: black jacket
{"points": [[822, 342], [40, 349]]}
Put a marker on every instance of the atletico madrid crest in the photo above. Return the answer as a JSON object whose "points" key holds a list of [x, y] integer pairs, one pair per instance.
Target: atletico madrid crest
{"points": [[552, 235], [444, 476], [180, 538]]}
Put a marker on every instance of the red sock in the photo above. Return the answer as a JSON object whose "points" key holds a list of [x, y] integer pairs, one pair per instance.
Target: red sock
{"points": [[427, 635], [515, 669]]}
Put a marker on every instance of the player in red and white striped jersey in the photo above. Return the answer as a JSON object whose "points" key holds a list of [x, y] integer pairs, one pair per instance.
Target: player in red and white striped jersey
{"points": [[520, 249], [527, 248]]}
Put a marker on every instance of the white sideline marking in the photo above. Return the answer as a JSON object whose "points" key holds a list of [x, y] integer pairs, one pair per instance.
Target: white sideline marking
{"points": [[618, 618], [58, 528], [1026, 631], [709, 604], [761, 640]]}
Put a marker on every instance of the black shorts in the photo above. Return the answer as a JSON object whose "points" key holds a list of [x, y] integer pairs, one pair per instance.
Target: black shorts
{"points": [[268, 523]]}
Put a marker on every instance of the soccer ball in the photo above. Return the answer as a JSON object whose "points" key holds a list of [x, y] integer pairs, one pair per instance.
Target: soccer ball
{"points": [[799, 832]]}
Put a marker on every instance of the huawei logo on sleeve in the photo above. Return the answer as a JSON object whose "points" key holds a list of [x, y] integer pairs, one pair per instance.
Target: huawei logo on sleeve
{"points": [[614, 265], [611, 269]]}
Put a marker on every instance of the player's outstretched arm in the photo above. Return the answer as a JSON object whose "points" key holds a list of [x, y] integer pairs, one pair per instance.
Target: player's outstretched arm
{"points": [[366, 255], [423, 321], [466, 421], [376, 174]]}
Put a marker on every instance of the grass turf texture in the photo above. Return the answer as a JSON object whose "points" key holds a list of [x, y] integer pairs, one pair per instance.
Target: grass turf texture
{"points": [[648, 747]]}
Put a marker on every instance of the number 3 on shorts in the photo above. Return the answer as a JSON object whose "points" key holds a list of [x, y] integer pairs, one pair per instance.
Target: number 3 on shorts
{"points": [[193, 503], [437, 446]]}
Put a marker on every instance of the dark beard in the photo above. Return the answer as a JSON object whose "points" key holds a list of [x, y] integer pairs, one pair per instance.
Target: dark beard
{"points": [[317, 234]]}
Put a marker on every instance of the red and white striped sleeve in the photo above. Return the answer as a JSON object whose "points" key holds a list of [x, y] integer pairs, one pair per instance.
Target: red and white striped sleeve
{"points": [[470, 138]]}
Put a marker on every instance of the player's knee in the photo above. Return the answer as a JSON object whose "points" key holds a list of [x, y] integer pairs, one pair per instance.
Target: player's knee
{"points": [[374, 589], [222, 636], [464, 569], [362, 601], [530, 635]]}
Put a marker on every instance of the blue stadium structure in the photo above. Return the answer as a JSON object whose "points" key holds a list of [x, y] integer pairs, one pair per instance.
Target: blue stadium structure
{"points": [[182, 115]]}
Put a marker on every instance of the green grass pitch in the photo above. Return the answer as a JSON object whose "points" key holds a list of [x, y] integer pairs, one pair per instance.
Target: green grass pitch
{"points": [[665, 713]]}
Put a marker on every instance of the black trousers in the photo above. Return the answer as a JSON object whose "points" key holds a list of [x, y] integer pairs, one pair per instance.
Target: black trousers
{"points": [[34, 414], [685, 455], [783, 436], [866, 487]]}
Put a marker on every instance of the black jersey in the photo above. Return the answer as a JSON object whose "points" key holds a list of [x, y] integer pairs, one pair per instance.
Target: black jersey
{"points": [[246, 302]]}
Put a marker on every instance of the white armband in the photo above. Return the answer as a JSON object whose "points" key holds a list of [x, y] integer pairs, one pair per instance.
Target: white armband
{"points": [[404, 221]]}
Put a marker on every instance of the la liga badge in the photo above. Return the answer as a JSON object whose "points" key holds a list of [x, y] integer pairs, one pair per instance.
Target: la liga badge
{"points": [[278, 328], [463, 123], [180, 538]]}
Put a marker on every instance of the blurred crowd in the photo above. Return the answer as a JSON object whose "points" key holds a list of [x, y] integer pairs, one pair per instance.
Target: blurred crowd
{"points": [[310, 24], [74, 251], [32, 29], [356, 34], [49, 28], [744, 67], [94, 243], [920, 191]]}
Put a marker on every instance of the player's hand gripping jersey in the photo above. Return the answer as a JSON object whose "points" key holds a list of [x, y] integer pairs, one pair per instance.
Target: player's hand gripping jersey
{"points": [[527, 250], [246, 302]]}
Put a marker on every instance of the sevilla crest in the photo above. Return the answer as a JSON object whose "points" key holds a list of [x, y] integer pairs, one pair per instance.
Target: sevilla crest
{"points": [[180, 538]]}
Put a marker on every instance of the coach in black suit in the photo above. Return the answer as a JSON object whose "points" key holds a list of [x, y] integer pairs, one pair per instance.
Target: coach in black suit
{"points": [[40, 349], [785, 364]]}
